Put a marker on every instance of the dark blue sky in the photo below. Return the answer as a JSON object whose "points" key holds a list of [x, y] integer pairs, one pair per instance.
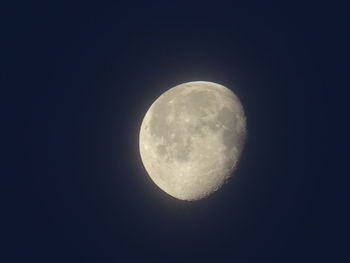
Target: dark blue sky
{"points": [[91, 71]]}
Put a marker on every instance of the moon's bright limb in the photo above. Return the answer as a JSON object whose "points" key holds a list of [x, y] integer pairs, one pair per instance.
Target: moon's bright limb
{"points": [[191, 139]]}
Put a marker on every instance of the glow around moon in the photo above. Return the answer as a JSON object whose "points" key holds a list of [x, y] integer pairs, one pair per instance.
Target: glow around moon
{"points": [[191, 139]]}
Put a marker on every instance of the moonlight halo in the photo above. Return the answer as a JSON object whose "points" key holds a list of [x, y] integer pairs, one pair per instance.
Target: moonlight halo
{"points": [[191, 139]]}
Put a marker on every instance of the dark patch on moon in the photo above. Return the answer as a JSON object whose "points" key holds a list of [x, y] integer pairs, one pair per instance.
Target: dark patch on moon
{"points": [[161, 149], [227, 119], [197, 101]]}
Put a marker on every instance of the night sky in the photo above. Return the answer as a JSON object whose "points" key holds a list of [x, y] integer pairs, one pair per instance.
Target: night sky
{"points": [[90, 72]]}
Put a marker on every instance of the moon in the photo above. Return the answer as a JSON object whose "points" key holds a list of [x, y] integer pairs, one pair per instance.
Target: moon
{"points": [[191, 139]]}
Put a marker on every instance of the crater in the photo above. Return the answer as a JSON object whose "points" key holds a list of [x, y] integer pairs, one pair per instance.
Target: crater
{"points": [[227, 118]]}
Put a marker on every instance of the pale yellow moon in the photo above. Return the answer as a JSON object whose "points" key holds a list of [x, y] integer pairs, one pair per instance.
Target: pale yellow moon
{"points": [[191, 139]]}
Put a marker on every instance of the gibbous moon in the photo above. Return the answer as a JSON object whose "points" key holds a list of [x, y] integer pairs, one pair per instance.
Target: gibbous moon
{"points": [[191, 139]]}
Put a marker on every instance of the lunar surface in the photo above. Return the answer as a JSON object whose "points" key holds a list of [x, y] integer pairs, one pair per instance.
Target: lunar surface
{"points": [[191, 139]]}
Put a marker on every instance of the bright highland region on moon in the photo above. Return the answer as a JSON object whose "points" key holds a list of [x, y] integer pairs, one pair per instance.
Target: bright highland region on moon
{"points": [[191, 139]]}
